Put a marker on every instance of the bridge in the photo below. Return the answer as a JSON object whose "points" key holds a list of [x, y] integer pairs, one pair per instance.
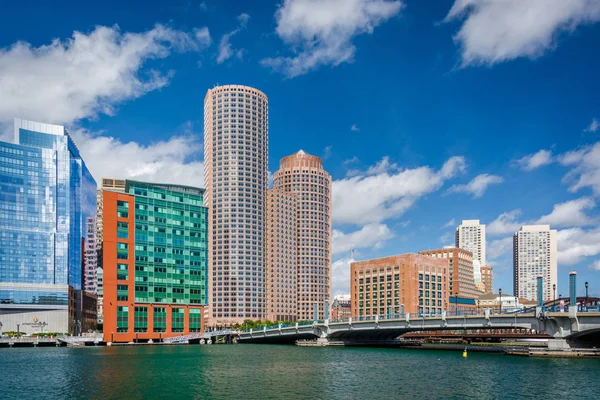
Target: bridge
{"points": [[568, 329]]}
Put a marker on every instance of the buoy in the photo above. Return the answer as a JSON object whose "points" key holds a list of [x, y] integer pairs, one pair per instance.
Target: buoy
{"points": [[465, 353]]}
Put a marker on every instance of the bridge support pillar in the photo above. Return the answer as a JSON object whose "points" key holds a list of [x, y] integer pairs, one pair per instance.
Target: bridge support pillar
{"points": [[566, 345]]}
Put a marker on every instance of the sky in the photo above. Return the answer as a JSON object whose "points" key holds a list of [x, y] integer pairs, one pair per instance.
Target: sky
{"points": [[425, 112]]}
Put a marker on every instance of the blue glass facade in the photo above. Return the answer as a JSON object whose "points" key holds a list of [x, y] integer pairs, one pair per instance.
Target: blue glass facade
{"points": [[46, 194]]}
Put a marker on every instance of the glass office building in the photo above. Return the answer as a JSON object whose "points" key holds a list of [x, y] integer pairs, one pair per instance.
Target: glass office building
{"points": [[155, 275], [46, 195]]}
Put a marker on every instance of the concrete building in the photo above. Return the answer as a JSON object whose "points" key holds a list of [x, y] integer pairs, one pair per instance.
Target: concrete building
{"points": [[155, 261], [470, 236], [90, 281], [407, 283], [487, 278], [462, 281], [303, 175], [100, 296], [236, 144], [535, 254], [46, 196], [281, 255]]}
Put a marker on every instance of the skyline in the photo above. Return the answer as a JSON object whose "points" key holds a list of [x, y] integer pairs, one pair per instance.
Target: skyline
{"points": [[509, 142]]}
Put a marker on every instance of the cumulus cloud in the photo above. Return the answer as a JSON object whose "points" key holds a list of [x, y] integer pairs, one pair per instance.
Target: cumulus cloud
{"points": [[595, 265], [494, 31], [172, 160], [505, 223], [477, 186], [535, 160], [370, 235], [575, 244], [340, 271], [500, 249], [88, 74], [321, 32], [593, 127], [570, 213], [226, 50], [365, 198], [585, 172], [351, 160]]}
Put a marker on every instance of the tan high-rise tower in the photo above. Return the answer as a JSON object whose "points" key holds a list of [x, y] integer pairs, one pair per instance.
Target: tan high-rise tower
{"points": [[235, 176], [303, 175]]}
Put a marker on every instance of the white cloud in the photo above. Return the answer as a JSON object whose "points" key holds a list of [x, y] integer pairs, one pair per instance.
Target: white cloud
{"points": [[505, 223], [535, 160], [226, 51], [593, 127], [494, 31], [450, 224], [340, 271], [575, 244], [203, 36], [365, 198], [370, 235], [351, 160], [585, 172], [570, 213], [447, 239], [321, 32], [354, 128], [171, 160], [500, 249], [595, 265], [382, 166], [327, 152], [203, 5], [477, 186], [86, 75]]}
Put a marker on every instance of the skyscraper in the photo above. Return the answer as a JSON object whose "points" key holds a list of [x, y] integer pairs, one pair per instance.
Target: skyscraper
{"points": [[236, 144], [303, 175], [281, 256], [470, 235], [46, 196], [90, 280], [155, 261], [535, 254]]}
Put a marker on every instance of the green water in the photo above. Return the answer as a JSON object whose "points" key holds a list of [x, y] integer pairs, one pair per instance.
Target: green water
{"points": [[268, 372]]}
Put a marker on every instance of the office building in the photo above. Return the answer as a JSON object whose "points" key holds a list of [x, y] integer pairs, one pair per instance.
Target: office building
{"points": [[100, 296], [155, 262], [497, 301], [46, 196], [407, 283], [90, 280], [462, 281], [281, 261], [535, 252], [487, 279], [470, 236], [303, 175], [236, 147]]}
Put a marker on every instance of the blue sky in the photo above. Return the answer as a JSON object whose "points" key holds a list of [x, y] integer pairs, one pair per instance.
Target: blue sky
{"points": [[425, 112]]}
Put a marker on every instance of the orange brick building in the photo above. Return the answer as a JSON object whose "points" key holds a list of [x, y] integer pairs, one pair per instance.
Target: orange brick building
{"points": [[154, 262], [407, 283]]}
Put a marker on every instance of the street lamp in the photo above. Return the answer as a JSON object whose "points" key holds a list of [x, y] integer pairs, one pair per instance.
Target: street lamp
{"points": [[500, 291], [554, 294], [586, 293]]}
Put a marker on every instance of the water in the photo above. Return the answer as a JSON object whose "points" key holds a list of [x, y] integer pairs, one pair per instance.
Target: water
{"points": [[248, 371]]}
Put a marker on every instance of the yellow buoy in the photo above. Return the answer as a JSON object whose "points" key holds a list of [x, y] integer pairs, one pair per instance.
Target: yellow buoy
{"points": [[465, 353]]}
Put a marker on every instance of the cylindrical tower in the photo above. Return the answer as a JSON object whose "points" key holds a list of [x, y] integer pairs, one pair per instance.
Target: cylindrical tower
{"points": [[304, 175], [235, 176]]}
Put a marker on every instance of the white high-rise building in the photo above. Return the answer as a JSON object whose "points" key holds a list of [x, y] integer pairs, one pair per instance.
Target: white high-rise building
{"points": [[535, 252], [470, 236], [236, 145]]}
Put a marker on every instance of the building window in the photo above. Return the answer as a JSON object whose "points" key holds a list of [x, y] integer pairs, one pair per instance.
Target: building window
{"points": [[195, 320], [122, 272], [177, 319], [140, 319], [160, 319], [122, 318], [122, 293]]}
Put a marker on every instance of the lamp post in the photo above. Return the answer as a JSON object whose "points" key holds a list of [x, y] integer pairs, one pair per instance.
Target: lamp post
{"points": [[500, 291], [554, 294], [18, 331], [586, 294]]}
